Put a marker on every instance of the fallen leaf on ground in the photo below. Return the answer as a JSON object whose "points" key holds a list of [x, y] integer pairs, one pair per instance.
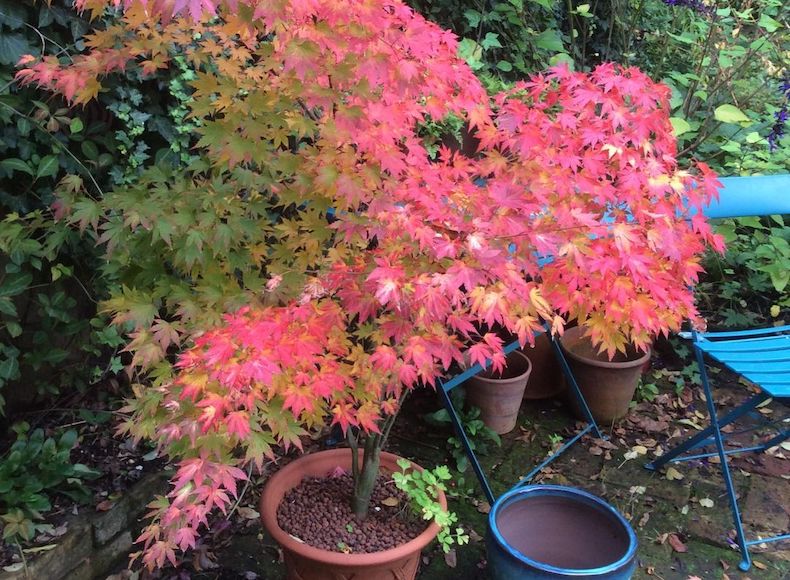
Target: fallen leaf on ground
{"points": [[451, 559], [604, 444], [690, 423], [248, 513], [104, 506], [390, 501], [595, 450], [674, 474], [652, 426], [38, 549], [644, 519], [483, 507], [677, 544], [474, 536], [759, 565], [706, 502], [202, 559]]}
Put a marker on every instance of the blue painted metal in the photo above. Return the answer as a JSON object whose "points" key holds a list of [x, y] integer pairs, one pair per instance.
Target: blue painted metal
{"points": [[474, 370], [566, 370], [769, 540], [505, 562], [751, 196], [462, 377], [527, 478], [459, 429], [771, 374], [703, 438]]}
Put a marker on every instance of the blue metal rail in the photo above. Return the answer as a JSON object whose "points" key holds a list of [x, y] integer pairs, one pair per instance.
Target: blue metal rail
{"points": [[462, 377]]}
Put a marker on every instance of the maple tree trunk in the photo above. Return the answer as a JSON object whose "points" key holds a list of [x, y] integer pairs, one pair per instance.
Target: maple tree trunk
{"points": [[365, 478]]}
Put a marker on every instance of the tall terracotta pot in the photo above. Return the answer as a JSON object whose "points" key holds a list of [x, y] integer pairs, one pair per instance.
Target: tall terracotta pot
{"points": [[607, 385], [304, 562], [499, 396], [545, 380]]}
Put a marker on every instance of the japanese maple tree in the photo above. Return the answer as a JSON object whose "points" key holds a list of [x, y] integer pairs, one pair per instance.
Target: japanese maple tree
{"points": [[380, 262]]}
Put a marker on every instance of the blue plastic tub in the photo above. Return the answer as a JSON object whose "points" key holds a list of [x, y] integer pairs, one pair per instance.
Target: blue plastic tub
{"points": [[551, 531]]}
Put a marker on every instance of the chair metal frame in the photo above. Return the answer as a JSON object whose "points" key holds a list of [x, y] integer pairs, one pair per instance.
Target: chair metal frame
{"points": [[445, 387], [741, 351], [733, 349]]}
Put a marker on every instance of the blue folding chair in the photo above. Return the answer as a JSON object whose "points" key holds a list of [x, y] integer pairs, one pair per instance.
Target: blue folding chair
{"points": [[762, 356]]}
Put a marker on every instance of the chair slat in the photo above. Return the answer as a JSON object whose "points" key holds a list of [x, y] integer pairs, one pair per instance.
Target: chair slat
{"points": [[761, 344], [768, 357]]}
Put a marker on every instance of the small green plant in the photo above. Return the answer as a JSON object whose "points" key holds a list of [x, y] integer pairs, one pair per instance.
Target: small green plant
{"points": [[478, 434], [555, 439], [35, 467], [422, 488], [646, 391]]}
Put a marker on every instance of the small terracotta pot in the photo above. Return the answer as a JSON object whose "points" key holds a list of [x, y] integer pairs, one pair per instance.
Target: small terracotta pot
{"points": [[607, 385], [304, 562], [499, 397]]}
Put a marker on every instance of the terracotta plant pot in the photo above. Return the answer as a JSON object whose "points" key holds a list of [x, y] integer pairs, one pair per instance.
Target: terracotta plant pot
{"points": [[546, 380], [304, 562], [499, 397], [607, 385]]}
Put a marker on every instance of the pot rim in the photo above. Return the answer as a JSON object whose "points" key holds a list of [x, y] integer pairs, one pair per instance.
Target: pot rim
{"points": [[516, 353], [328, 557], [572, 493], [577, 330]]}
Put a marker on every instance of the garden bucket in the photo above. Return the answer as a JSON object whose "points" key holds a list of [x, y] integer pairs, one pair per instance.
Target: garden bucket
{"points": [[552, 532]]}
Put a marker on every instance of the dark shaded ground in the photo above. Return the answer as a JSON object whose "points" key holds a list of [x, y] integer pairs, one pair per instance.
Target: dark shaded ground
{"points": [[662, 511]]}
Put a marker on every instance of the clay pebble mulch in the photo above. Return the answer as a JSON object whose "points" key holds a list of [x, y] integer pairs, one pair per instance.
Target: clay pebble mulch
{"points": [[318, 512]]}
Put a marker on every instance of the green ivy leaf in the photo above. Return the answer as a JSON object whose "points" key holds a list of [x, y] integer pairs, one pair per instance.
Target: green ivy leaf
{"points": [[7, 307], [12, 48], [549, 40], [504, 66], [12, 14], [768, 23], [730, 114], [679, 126], [14, 329], [490, 41], [48, 167], [15, 284], [13, 164], [76, 125]]}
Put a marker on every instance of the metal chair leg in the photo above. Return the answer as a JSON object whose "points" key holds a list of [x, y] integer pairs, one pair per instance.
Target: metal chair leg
{"points": [[470, 454], [566, 370], [746, 560], [702, 438]]}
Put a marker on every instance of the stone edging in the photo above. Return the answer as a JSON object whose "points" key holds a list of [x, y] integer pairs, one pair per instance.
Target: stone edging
{"points": [[94, 543]]}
